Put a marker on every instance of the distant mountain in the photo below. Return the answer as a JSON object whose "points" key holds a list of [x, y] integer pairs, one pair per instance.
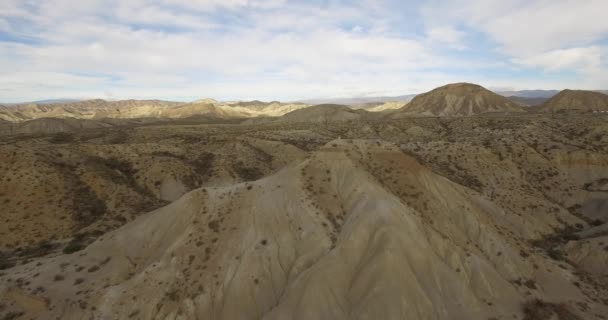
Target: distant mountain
{"points": [[576, 100], [356, 101], [524, 97], [133, 109], [47, 101], [529, 93], [458, 99], [536, 93], [529, 102], [50, 101], [87, 109]]}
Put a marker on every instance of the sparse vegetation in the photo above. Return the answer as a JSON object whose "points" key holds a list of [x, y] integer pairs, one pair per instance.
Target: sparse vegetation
{"points": [[76, 244], [12, 315], [61, 138], [5, 262], [247, 173], [540, 310], [89, 207]]}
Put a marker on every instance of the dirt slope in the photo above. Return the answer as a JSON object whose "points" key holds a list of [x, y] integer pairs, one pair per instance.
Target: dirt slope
{"points": [[53, 188], [359, 230], [323, 113]]}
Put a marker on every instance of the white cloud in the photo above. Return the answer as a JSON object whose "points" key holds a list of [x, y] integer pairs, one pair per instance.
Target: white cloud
{"points": [[555, 35], [270, 49], [447, 35], [314, 53], [4, 26], [524, 26], [584, 59], [207, 5]]}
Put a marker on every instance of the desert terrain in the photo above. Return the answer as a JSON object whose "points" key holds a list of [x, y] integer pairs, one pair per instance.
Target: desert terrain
{"points": [[458, 204]]}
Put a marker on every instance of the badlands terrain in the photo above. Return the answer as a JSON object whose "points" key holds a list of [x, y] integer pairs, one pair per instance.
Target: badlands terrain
{"points": [[460, 204]]}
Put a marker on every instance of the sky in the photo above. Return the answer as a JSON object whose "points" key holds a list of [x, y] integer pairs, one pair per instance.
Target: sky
{"points": [[290, 50]]}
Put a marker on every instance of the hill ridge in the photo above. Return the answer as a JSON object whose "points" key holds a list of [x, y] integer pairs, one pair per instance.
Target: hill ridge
{"points": [[576, 100]]}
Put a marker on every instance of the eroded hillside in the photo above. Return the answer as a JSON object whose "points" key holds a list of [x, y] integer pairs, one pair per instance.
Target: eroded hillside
{"points": [[490, 217]]}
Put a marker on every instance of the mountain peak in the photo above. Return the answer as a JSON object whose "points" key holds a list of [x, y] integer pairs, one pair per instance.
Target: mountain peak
{"points": [[459, 99]]}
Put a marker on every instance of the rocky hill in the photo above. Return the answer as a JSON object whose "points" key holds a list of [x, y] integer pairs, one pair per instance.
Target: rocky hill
{"points": [[576, 100], [458, 99], [88, 109]]}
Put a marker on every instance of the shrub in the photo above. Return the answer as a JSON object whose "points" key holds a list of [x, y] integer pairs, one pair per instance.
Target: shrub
{"points": [[537, 309], [540, 310], [12, 315], [555, 254], [93, 269], [89, 207], [41, 249], [62, 137], [5, 263], [73, 246], [248, 174]]}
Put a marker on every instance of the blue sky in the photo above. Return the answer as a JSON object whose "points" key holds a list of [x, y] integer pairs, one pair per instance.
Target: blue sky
{"points": [[289, 50]]}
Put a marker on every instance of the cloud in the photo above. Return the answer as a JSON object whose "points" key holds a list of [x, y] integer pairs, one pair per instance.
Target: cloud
{"points": [[523, 26], [588, 58], [263, 46], [554, 36], [207, 5], [285, 49], [4, 26], [447, 35]]}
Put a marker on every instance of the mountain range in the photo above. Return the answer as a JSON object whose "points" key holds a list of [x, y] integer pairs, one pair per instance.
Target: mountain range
{"points": [[459, 99]]}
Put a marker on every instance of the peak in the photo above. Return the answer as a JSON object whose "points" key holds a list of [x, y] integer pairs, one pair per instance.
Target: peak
{"points": [[462, 85], [461, 99], [206, 100], [91, 101]]}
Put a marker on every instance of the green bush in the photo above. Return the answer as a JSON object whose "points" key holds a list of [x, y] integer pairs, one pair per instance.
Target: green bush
{"points": [[73, 246], [5, 263], [62, 137], [555, 254]]}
